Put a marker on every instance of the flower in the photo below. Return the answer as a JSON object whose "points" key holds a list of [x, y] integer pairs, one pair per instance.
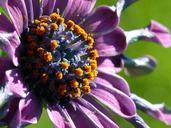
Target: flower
{"points": [[61, 55]]}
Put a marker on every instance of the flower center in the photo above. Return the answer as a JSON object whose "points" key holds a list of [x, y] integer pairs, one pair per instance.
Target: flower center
{"points": [[57, 59]]}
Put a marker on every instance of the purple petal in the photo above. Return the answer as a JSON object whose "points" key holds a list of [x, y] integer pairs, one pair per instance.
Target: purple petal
{"points": [[112, 80], [28, 112], [95, 116], [115, 100], [79, 10], [59, 117], [37, 8], [158, 111], [5, 24], [5, 64], [10, 42], [48, 6], [111, 44], [101, 21], [161, 34], [15, 83], [12, 109], [29, 6], [109, 65], [63, 5], [17, 11]]}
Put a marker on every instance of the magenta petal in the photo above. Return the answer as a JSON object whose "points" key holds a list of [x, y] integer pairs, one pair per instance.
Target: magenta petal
{"points": [[79, 10], [17, 11], [115, 100], [109, 65], [48, 6], [29, 6], [63, 5], [102, 20], [161, 34], [10, 42], [5, 24], [59, 118], [15, 83], [12, 109], [98, 118], [113, 81], [29, 112], [5, 64], [111, 44]]}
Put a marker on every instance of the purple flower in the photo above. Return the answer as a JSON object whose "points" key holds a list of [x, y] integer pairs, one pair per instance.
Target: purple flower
{"points": [[63, 55]]}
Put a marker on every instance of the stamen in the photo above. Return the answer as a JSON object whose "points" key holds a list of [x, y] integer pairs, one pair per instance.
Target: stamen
{"points": [[60, 56]]}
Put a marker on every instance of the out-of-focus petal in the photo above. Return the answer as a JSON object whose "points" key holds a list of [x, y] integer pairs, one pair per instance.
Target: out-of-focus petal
{"points": [[29, 111], [10, 42], [79, 10], [161, 34], [63, 5], [94, 115], [115, 100], [138, 122], [158, 111], [111, 44], [139, 66], [17, 11], [15, 83], [60, 117], [101, 21], [155, 32]]}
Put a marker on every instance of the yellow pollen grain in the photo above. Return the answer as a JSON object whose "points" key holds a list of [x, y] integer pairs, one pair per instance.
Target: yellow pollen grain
{"points": [[95, 73], [85, 82], [59, 75], [93, 66], [65, 65], [36, 21], [87, 68], [76, 93], [40, 30], [44, 77], [78, 72], [86, 89], [54, 26], [48, 56], [74, 83], [54, 16], [93, 62], [94, 54], [60, 20], [44, 25], [70, 24], [44, 20], [54, 44], [90, 41], [90, 76]]}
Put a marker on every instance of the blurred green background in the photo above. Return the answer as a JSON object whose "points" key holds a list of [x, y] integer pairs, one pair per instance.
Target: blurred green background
{"points": [[155, 87]]}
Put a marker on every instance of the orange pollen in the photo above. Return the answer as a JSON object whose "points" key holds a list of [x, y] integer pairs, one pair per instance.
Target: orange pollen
{"points": [[65, 65], [54, 44], [59, 75], [87, 68], [41, 51], [85, 82], [54, 26], [78, 72], [76, 93], [48, 56], [40, 30], [54, 16], [94, 54], [74, 83], [60, 20], [93, 66], [70, 24], [90, 76], [86, 89]]}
